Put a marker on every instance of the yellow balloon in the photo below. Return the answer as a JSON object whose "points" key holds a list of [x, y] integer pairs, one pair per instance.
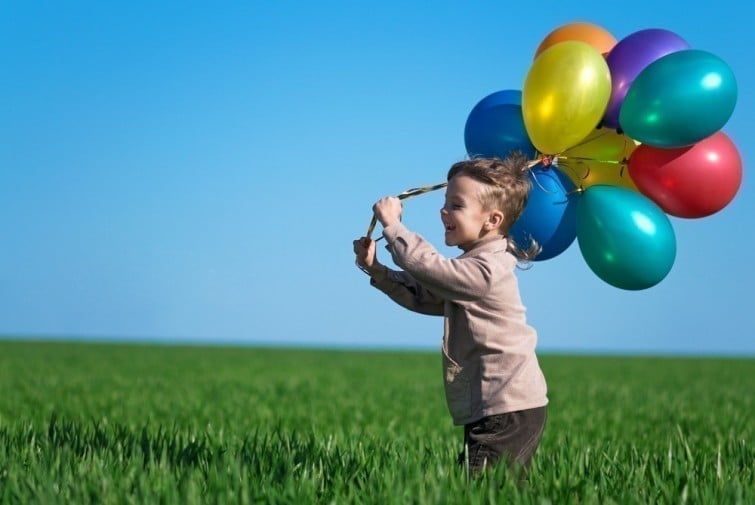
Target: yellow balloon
{"points": [[601, 158], [565, 95]]}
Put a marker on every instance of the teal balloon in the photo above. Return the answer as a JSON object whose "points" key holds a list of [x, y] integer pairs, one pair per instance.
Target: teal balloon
{"points": [[625, 238], [679, 99]]}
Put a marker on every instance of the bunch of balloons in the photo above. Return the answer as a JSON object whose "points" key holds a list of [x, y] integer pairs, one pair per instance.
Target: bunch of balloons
{"points": [[622, 134]]}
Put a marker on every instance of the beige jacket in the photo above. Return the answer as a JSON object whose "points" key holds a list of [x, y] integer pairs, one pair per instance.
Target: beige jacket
{"points": [[489, 358]]}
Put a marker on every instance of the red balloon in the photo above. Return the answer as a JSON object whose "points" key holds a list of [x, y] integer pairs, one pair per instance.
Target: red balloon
{"points": [[694, 181]]}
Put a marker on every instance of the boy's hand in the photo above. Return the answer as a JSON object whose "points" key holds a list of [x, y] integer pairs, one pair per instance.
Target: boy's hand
{"points": [[364, 248], [388, 210]]}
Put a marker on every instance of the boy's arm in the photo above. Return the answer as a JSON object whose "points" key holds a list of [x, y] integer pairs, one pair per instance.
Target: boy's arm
{"points": [[399, 286], [403, 289], [453, 279]]}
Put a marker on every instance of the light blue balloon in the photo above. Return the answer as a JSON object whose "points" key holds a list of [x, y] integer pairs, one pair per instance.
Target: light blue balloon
{"points": [[625, 238], [550, 215], [495, 127], [679, 99]]}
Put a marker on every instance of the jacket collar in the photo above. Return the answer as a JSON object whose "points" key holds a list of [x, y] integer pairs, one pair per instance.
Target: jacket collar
{"points": [[487, 245]]}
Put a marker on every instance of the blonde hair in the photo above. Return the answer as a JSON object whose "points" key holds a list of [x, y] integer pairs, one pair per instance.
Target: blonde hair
{"points": [[506, 186]]}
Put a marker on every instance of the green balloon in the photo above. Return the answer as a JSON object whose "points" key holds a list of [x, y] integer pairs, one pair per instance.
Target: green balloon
{"points": [[679, 99], [625, 238]]}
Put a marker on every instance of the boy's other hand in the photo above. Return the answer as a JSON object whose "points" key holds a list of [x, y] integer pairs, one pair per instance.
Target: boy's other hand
{"points": [[364, 248]]}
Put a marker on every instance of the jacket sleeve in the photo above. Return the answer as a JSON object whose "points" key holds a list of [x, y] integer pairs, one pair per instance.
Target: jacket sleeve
{"points": [[458, 280], [403, 289]]}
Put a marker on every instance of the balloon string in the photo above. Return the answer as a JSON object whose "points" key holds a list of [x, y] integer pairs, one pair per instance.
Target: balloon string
{"points": [[622, 165], [564, 156], [534, 162], [540, 185], [403, 196], [580, 158], [574, 172]]}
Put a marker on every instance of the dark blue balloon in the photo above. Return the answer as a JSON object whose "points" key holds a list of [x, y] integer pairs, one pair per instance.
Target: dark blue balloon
{"points": [[504, 97], [550, 217], [495, 127]]}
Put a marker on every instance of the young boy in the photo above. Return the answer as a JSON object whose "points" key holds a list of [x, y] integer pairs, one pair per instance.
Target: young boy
{"points": [[493, 382]]}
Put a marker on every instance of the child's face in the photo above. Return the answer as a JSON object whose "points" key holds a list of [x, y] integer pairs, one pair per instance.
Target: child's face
{"points": [[465, 219]]}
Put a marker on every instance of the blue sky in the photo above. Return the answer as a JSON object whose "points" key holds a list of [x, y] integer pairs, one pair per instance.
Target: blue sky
{"points": [[197, 171]]}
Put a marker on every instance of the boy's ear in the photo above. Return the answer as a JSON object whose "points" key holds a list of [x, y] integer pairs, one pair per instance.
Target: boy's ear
{"points": [[495, 219]]}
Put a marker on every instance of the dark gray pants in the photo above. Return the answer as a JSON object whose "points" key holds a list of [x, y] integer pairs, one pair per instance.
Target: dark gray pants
{"points": [[512, 437]]}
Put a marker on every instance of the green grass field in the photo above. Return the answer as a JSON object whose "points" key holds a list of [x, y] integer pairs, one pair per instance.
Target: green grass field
{"points": [[86, 423]]}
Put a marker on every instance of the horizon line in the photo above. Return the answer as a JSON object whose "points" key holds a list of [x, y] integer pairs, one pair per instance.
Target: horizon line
{"points": [[340, 346]]}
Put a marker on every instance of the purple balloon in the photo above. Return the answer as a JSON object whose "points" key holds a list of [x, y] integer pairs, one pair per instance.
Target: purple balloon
{"points": [[629, 57]]}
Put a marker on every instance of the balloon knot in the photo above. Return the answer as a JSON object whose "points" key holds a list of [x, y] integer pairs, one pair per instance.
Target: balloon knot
{"points": [[546, 161]]}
